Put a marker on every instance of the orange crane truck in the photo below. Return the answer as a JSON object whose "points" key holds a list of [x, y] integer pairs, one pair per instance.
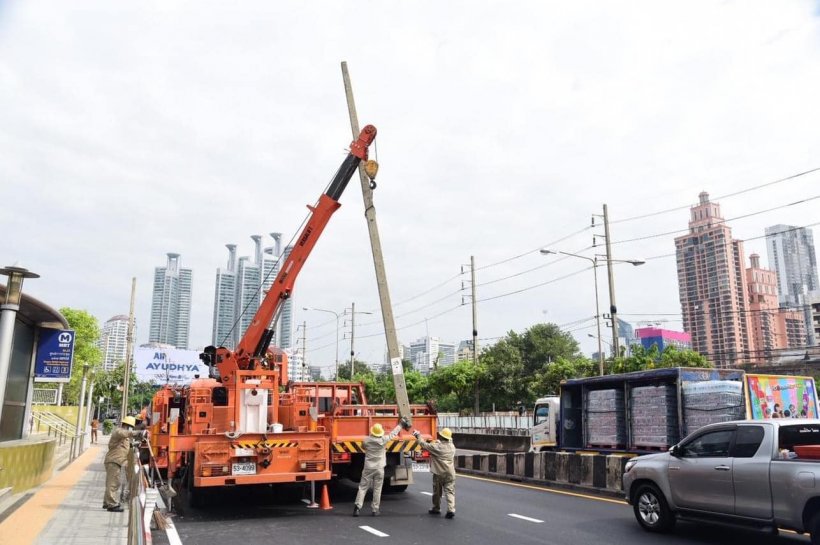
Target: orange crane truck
{"points": [[342, 409], [238, 426]]}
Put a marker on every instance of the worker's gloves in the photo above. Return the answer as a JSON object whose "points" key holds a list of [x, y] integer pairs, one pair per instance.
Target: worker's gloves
{"points": [[405, 423], [416, 434]]}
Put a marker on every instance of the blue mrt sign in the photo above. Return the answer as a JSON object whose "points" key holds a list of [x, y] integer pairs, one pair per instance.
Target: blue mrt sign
{"points": [[55, 351]]}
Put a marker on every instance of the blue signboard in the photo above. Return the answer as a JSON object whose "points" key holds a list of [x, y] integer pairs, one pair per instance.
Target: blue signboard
{"points": [[55, 351]]}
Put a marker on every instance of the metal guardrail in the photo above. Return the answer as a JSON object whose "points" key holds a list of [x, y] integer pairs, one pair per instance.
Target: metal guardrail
{"points": [[494, 424]]}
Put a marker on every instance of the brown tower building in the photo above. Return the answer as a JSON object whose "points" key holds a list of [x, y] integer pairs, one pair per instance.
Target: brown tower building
{"points": [[712, 284]]}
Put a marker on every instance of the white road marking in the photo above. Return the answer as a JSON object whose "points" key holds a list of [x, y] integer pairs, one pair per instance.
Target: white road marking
{"points": [[374, 531], [522, 517], [427, 493]]}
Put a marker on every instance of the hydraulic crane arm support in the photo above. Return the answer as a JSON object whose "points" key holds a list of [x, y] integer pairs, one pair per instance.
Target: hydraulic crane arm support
{"points": [[254, 341]]}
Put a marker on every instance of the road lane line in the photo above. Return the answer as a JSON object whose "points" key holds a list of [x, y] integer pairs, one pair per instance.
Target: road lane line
{"points": [[522, 517], [374, 531], [427, 493], [543, 489]]}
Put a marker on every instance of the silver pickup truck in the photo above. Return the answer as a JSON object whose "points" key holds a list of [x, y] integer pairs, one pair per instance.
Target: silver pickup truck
{"points": [[756, 474]]}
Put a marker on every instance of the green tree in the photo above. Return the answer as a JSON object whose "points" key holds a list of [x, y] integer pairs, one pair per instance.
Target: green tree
{"points": [[360, 370], [453, 387], [642, 359], [544, 343], [547, 380], [86, 334], [505, 383]]}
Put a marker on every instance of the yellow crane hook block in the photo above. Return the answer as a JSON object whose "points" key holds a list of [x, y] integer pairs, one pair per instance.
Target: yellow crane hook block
{"points": [[371, 168]]}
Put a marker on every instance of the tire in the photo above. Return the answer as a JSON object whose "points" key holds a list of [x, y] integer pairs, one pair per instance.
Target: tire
{"points": [[395, 489], [814, 529], [194, 497], [651, 510]]}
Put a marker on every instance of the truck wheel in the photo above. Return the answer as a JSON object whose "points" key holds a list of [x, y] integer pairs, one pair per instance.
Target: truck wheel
{"points": [[194, 497], [814, 529], [651, 509], [395, 489]]}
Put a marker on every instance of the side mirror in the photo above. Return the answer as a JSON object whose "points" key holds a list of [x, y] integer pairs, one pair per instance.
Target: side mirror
{"points": [[674, 450]]}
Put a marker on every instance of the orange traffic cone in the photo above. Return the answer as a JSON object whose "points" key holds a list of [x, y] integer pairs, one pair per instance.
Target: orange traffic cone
{"points": [[324, 503]]}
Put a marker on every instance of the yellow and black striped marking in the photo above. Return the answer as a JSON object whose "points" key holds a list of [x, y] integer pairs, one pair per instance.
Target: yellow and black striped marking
{"points": [[265, 444], [396, 445]]}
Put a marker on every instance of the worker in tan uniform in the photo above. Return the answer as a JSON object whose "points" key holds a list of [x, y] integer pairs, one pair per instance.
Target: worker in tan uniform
{"points": [[374, 446], [118, 447], [442, 454]]}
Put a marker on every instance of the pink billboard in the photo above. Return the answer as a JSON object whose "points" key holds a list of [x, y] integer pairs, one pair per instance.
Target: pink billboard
{"points": [[773, 396]]}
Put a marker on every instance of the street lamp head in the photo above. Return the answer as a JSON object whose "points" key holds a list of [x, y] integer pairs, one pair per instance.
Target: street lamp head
{"points": [[14, 287], [636, 262], [544, 251]]}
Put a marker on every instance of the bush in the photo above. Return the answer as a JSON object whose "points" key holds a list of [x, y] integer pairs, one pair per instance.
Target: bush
{"points": [[108, 425]]}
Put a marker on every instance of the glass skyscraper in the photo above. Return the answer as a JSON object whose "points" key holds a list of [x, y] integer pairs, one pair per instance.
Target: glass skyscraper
{"points": [[171, 304]]}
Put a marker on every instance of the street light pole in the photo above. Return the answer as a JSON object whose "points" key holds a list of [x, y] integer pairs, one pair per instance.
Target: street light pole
{"points": [[594, 261], [336, 314], [353, 313], [79, 441], [613, 308]]}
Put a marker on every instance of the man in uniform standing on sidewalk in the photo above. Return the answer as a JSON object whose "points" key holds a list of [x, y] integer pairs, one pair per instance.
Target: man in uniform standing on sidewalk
{"points": [[375, 459], [118, 447], [442, 454]]}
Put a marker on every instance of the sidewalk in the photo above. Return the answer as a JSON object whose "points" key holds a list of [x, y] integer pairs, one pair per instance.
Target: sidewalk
{"points": [[67, 510]]}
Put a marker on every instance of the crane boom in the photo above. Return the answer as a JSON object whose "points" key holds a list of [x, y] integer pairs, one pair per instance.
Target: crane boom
{"points": [[254, 343]]}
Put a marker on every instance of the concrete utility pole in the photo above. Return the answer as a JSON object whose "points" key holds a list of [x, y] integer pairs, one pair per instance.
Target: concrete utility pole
{"points": [[378, 262], [613, 309], [79, 439], [352, 335], [129, 351], [475, 332]]}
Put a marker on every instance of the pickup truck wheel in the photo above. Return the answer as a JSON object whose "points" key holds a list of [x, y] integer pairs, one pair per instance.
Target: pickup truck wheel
{"points": [[814, 529], [651, 509]]}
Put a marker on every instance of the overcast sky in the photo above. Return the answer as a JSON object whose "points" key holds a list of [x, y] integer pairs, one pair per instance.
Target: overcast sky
{"points": [[133, 129]]}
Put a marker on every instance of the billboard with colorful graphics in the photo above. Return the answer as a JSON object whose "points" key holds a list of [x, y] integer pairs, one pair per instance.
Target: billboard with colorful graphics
{"points": [[774, 396]]}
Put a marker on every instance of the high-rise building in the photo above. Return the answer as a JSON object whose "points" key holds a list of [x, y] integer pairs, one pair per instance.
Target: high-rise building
{"points": [[284, 335], [712, 286], [223, 332], [171, 304], [240, 289], [768, 323], [662, 338], [465, 351], [429, 353], [114, 341], [792, 256]]}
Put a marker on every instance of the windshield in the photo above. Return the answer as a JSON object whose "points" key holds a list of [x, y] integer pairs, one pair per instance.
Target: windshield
{"points": [[542, 413], [799, 435]]}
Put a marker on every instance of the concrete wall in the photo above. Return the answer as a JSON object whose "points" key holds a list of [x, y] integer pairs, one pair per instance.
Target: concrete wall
{"points": [[583, 471], [65, 412], [25, 464]]}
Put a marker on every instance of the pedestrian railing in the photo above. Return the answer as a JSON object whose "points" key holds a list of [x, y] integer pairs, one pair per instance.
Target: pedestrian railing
{"points": [[52, 424], [492, 424], [146, 491]]}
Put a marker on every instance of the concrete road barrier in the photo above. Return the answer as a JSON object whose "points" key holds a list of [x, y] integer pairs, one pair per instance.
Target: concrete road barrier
{"points": [[591, 472]]}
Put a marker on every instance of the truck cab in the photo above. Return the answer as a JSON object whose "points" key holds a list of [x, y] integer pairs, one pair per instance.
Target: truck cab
{"points": [[545, 418]]}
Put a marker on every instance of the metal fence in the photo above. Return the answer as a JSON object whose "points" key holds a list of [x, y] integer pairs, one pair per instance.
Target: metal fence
{"points": [[44, 396], [494, 424]]}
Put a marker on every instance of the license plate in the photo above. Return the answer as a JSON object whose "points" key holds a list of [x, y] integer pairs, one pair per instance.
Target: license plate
{"points": [[244, 468], [421, 467]]}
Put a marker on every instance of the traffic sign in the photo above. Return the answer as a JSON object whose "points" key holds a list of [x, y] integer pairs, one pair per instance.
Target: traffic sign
{"points": [[55, 353]]}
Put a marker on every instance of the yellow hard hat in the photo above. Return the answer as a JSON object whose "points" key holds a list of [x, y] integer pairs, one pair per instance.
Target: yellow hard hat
{"points": [[377, 430], [446, 433], [129, 420]]}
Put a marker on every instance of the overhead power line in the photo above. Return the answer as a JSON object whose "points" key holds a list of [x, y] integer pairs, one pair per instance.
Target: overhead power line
{"points": [[728, 195]]}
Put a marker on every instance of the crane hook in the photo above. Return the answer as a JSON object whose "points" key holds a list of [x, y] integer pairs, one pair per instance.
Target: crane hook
{"points": [[371, 168]]}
